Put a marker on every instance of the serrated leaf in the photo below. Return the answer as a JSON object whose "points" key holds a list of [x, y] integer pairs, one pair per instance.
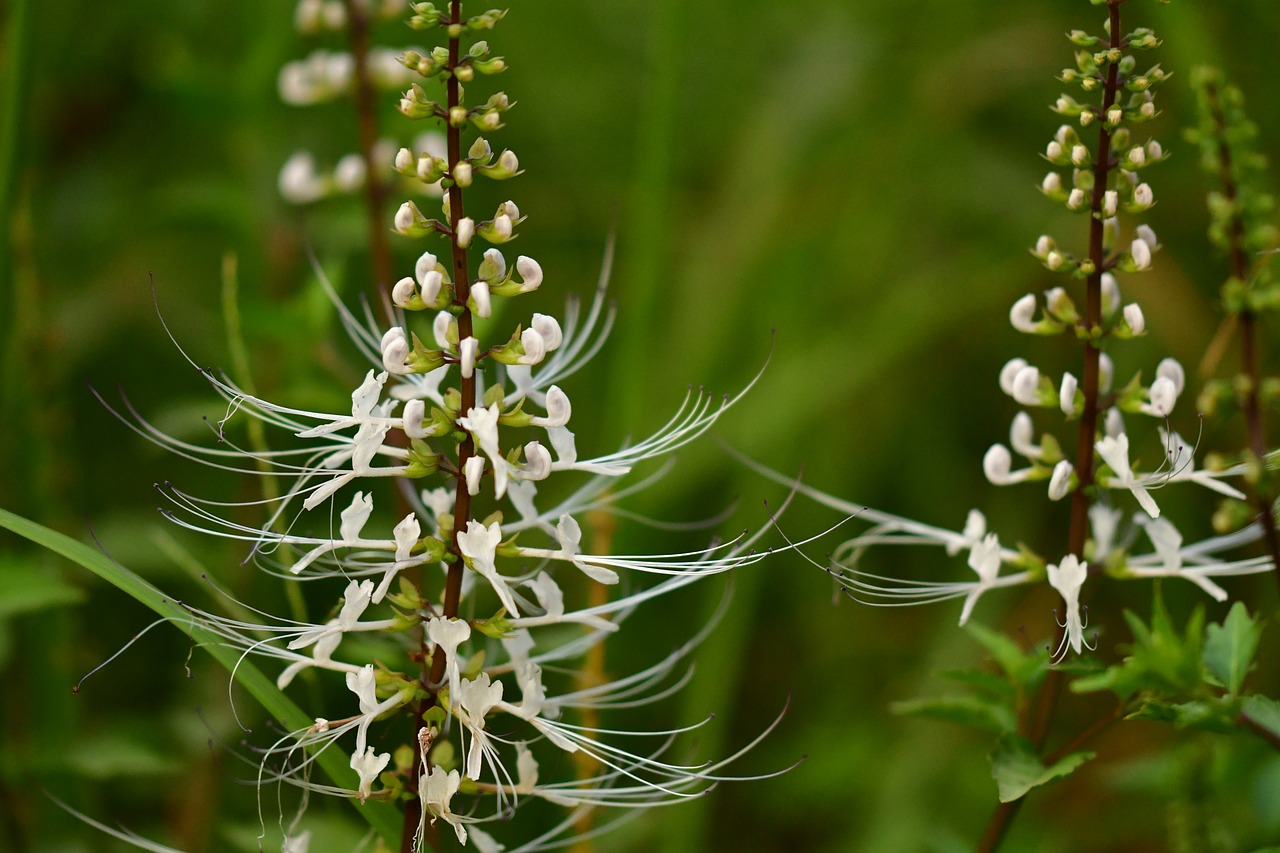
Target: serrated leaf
{"points": [[1229, 647], [1017, 768], [966, 710], [1024, 668], [1264, 712], [987, 683], [384, 818]]}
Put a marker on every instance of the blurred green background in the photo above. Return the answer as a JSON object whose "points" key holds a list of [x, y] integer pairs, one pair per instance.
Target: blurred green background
{"points": [[850, 186]]}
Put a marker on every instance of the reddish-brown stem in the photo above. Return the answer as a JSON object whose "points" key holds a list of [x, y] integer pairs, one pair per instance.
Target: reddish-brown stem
{"points": [[466, 449], [1040, 717], [1239, 263], [375, 191]]}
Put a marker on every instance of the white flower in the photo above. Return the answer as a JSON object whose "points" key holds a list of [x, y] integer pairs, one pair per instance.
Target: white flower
{"points": [[472, 472], [478, 545], [480, 295], [1110, 294], [1022, 314], [984, 559], [1114, 451], [477, 696], [435, 790], [482, 423], [535, 348], [1067, 577], [299, 183], [1142, 195], [537, 462], [446, 635], [368, 766]]}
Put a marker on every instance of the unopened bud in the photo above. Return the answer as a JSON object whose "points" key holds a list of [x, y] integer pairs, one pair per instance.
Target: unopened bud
{"points": [[535, 348], [1133, 318], [549, 328], [1141, 254], [1022, 314], [473, 470], [480, 297], [465, 231], [403, 292], [462, 174], [537, 461], [415, 412], [467, 356], [1060, 482], [1067, 394], [1079, 155]]}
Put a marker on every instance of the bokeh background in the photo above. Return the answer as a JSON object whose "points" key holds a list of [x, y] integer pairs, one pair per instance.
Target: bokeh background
{"points": [[845, 189]]}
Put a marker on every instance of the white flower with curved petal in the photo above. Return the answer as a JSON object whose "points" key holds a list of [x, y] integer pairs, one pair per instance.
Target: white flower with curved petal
{"points": [[1067, 577]]}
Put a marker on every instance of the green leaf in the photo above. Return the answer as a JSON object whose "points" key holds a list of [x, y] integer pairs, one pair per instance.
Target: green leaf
{"points": [[1017, 768], [1024, 668], [1204, 715], [1229, 647], [967, 710], [1263, 712], [383, 817], [28, 587]]}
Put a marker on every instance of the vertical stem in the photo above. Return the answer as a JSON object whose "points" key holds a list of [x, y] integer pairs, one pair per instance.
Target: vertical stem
{"points": [[1041, 715], [375, 190], [466, 449], [1239, 263]]}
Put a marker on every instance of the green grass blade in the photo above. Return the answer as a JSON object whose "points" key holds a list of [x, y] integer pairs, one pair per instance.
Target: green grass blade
{"points": [[384, 818]]}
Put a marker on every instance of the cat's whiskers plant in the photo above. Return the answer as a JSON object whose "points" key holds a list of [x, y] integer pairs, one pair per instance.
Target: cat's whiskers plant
{"points": [[452, 620], [1098, 170]]}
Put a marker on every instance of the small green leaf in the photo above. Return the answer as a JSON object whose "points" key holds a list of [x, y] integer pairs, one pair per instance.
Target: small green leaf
{"points": [[1229, 647], [1017, 769], [1263, 712], [1024, 668], [966, 710]]}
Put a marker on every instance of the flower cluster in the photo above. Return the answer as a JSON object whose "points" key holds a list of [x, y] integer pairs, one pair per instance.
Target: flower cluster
{"points": [[1098, 166], [457, 622]]}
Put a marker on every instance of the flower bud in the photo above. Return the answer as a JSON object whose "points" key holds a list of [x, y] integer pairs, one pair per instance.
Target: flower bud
{"points": [[558, 409], [349, 174], [1054, 260], [1026, 386], [298, 182], [480, 152], [1148, 236], [549, 328], [530, 273], [1134, 319], [410, 221], [465, 231], [1022, 314], [1051, 184], [1060, 482], [1053, 151], [404, 291], [1141, 254], [473, 470], [1079, 155], [1106, 371], [1163, 394], [440, 329], [415, 412], [1154, 150], [404, 160], [1147, 110], [462, 174], [1022, 436], [494, 267], [467, 356], [1008, 372], [1110, 294], [480, 298], [457, 116], [1142, 196], [1115, 115], [997, 465], [1114, 423], [1067, 395], [537, 461], [395, 351], [535, 348], [1110, 201], [1171, 369], [1075, 199]]}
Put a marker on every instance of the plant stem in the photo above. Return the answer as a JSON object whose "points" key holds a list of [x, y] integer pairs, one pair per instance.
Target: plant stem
{"points": [[1239, 264], [375, 191], [1041, 716], [466, 449]]}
